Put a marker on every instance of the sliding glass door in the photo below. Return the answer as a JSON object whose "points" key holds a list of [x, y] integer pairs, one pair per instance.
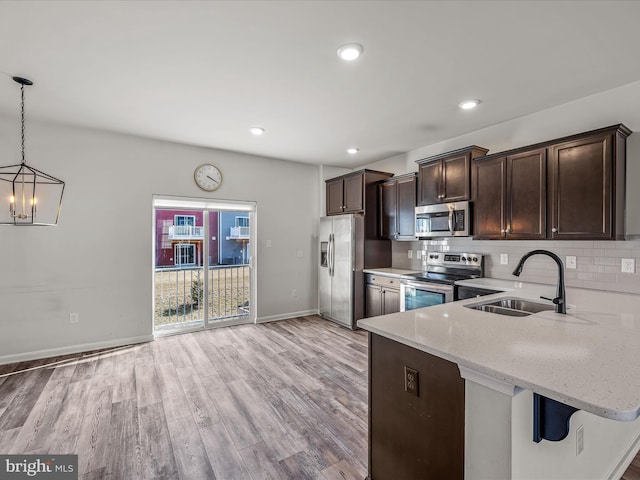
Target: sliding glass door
{"points": [[202, 269]]}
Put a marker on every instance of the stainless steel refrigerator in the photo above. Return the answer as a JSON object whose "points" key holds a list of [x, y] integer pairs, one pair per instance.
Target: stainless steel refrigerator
{"points": [[345, 250]]}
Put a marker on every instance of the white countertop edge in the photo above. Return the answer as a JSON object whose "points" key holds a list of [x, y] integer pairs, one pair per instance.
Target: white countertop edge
{"points": [[488, 381], [391, 272]]}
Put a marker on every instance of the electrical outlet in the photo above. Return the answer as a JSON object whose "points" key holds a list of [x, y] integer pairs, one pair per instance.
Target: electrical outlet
{"points": [[504, 259], [418, 254], [411, 381], [579, 440], [570, 261], [74, 318], [294, 293], [409, 254], [269, 244], [628, 265]]}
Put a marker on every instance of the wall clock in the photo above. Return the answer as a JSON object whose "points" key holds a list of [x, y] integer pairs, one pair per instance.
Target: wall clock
{"points": [[208, 177]]}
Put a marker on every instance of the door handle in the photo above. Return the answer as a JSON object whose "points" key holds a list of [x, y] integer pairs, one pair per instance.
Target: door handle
{"points": [[331, 254]]}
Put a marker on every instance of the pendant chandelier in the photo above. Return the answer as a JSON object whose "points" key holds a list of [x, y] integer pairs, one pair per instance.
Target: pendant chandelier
{"points": [[32, 197]]}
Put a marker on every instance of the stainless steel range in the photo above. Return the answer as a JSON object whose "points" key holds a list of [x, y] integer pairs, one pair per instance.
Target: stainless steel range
{"points": [[436, 284]]}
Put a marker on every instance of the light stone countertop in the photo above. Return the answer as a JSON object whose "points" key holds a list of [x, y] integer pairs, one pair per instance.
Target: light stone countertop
{"points": [[588, 358], [390, 272]]}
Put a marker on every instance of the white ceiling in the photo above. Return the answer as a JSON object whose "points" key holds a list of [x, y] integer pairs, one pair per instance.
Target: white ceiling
{"points": [[202, 73]]}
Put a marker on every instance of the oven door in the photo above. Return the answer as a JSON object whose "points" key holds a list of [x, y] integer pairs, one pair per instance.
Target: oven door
{"points": [[420, 294]]}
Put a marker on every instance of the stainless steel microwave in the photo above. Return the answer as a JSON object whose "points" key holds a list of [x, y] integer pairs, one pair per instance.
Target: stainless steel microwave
{"points": [[443, 220]]}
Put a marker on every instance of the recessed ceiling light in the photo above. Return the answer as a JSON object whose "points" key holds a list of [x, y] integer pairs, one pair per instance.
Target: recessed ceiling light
{"points": [[350, 51], [469, 104], [256, 130], [352, 151]]}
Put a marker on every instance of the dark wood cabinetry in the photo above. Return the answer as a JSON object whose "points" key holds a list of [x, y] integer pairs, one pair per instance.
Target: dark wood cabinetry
{"points": [[510, 196], [586, 179], [348, 193], [446, 178], [397, 208], [382, 295], [414, 436], [568, 188]]}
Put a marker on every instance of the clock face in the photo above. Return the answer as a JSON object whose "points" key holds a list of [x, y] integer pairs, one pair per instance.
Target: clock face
{"points": [[208, 177]]}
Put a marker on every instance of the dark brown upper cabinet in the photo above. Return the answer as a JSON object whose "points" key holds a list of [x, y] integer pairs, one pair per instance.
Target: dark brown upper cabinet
{"points": [[349, 193], [568, 188], [446, 177], [510, 196], [587, 184], [397, 207]]}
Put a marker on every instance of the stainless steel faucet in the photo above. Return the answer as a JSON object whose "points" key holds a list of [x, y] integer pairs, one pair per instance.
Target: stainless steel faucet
{"points": [[561, 296]]}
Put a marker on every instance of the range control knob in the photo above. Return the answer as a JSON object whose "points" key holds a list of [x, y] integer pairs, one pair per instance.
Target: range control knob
{"points": [[475, 259], [464, 259]]}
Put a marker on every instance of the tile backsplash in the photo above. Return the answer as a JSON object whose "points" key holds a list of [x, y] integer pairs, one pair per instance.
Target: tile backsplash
{"points": [[598, 263]]}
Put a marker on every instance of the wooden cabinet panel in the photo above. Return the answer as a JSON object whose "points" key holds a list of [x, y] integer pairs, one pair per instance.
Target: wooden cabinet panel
{"points": [[382, 295], [390, 300], [335, 200], [406, 220], [455, 178], [489, 198], [510, 196], [353, 194], [397, 208], [526, 197], [414, 436], [580, 173], [373, 301], [430, 181], [447, 177], [388, 209], [569, 188]]}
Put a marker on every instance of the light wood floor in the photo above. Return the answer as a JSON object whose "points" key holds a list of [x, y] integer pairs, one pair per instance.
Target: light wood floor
{"points": [[633, 472], [285, 400]]}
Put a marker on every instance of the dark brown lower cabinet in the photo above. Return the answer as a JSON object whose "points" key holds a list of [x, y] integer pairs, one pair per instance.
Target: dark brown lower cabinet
{"points": [[414, 437]]}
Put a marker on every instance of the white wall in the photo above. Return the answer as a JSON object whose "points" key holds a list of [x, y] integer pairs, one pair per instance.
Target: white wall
{"points": [[619, 105], [98, 260]]}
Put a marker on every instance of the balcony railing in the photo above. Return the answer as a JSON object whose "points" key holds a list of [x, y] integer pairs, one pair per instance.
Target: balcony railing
{"points": [[181, 232], [239, 233], [179, 294]]}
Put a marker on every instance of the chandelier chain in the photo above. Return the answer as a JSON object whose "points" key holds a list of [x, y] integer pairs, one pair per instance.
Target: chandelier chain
{"points": [[22, 129]]}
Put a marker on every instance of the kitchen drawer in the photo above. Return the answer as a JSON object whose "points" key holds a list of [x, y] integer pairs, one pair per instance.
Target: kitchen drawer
{"points": [[383, 281]]}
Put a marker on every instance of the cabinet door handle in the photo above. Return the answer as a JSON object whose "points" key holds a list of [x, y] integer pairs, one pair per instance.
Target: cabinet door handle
{"points": [[554, 229]]}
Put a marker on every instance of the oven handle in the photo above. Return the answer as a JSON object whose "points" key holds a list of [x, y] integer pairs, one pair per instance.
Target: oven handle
{"points": [[434, 287]]}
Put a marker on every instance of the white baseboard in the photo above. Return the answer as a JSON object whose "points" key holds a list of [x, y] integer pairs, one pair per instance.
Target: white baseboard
{"points": [[85, 347], [624, 461], [285, 316]]}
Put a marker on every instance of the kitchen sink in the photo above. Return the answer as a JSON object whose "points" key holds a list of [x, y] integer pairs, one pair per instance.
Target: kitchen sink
{"points": [[513, 307]]}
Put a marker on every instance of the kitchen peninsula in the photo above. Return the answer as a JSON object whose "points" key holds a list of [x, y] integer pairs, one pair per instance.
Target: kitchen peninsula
{"points": [[477, 373]]}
